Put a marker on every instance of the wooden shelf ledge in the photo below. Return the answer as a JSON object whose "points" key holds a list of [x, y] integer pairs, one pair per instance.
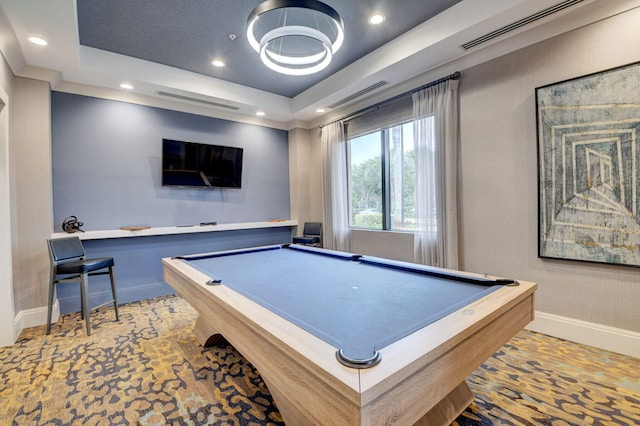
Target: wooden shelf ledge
{"points": [[171, 230]]}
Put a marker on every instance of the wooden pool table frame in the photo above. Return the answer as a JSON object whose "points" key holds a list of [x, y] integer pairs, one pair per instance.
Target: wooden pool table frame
{"points": [[421, 379]]}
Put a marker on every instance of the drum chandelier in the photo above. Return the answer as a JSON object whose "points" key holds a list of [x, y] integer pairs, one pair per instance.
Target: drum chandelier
{"points": [[295, 37]]}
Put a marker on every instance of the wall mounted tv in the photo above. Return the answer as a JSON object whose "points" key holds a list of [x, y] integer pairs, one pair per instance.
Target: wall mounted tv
{"points": [[198, 165]]}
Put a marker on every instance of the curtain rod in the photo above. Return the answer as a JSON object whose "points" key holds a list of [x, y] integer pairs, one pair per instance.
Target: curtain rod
{"points": [[454, 76]]}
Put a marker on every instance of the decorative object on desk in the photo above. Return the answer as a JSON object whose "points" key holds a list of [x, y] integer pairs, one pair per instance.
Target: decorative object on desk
{"points": [[588, 167], [71, 225], [135, 228]]}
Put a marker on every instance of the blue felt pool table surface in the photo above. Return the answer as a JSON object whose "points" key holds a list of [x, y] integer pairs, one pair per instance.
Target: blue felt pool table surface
{"points": [[308, 319], [359, 304]]}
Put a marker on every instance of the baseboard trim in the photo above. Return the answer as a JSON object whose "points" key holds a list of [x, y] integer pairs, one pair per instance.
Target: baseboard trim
{"points": [[34, 317], [125, 295], [38, 316], [612, 339]]}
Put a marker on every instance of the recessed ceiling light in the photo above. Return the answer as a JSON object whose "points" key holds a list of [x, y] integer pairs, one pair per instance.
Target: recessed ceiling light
{"points": [[126, 86], [376, 18], [320, 110], [218, 63], [260, 113], [38, 40]]}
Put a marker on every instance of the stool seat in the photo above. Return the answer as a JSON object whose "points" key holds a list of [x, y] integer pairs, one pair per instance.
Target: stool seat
{"points": [[310, 241], [68, 264], [84, 266]]}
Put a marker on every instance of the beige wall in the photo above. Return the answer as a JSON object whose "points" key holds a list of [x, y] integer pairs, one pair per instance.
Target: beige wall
{"points": [[499, 205], [305, 176], [26, 207], [499, 172], [299, 155], [390, 245], [8, 333], [31, 192], [6, 76]]}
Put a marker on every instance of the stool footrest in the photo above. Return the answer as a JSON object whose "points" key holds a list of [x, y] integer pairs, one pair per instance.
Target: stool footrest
{"points": [[108, 302]]}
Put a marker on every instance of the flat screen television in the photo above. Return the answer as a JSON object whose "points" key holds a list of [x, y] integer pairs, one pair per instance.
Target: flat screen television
{"points": [[198, 165]]}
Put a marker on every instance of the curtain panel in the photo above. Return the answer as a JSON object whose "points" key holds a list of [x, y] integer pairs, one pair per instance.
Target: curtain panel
{"points": [[336, 233], [435, 114]]}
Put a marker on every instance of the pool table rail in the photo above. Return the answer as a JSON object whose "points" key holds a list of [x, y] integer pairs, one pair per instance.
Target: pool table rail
{"points": [[309, 386], [444, 353], [299, 369]]}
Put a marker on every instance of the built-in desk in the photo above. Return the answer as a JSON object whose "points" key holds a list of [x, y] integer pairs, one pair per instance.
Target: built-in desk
{"points": [[173, 230], [138, 267]]}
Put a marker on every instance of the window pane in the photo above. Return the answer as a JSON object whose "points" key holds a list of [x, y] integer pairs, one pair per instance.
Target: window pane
{"points": [[402, 177], [366, 181]]}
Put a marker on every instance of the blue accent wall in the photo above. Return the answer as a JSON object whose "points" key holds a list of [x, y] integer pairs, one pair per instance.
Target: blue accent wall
{"points": [[107, 159]]}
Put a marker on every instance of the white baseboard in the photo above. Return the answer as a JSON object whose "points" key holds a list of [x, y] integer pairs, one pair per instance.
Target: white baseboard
{"points": [[35, 317], [38, 316], [600, 336], [612, 339]]}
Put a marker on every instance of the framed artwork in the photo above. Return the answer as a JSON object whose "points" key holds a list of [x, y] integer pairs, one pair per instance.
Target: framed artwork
{"points": [[588, 148]]}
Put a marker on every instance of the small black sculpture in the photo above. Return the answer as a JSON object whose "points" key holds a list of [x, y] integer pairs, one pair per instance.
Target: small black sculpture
{"points": [[71, 225]]}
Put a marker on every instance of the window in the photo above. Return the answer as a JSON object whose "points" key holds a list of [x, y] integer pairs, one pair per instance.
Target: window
{"points": [[365, 181], [382, 179]]}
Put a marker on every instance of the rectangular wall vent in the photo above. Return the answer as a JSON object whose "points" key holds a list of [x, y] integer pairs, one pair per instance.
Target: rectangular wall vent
{"points": [[198, 100], [521, 23], [358, 94]]}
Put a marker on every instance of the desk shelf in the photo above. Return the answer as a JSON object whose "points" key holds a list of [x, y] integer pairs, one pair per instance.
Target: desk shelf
{"points": [[171, 230]]}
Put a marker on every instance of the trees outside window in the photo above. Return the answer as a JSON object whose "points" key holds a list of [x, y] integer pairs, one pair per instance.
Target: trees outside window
{"points": [[382, 179]]}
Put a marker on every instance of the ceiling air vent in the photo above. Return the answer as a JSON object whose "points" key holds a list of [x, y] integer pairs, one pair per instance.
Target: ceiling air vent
{"points": [[358, 94], [198, 100], [521, 23]]}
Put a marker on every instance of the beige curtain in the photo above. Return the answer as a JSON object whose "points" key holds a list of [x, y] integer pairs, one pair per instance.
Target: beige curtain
{"points": [[335, 230], [435, 113]]}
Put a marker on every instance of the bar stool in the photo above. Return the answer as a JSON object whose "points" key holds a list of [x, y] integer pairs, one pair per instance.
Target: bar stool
{"points": [[68, 264], [311, 235]]}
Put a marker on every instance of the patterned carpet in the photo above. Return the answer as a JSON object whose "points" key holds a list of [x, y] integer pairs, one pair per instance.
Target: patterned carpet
{"points": [[149, 370]]}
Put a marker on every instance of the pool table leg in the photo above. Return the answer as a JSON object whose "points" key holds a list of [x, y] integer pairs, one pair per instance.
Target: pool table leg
{"points": [[206, 333], [447, 410], [287, 410]]}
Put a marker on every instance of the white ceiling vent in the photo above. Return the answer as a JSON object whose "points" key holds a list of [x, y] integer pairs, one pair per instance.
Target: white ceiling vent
{"points": [[198, 100], [521, 23], [358, 94]]}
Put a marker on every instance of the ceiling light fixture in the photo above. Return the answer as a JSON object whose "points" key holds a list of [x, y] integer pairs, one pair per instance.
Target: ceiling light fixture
{"points": [[305, 46], [260, 113], [126, 86], [38, 40], [376, 18], [218, 60]]}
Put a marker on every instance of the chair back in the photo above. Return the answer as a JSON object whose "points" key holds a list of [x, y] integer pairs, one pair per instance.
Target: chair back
{"points": [[65, 249], [312, 229]]}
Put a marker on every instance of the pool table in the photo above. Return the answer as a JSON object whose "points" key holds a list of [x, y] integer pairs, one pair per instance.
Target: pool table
{"points": [[340, 338]]}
